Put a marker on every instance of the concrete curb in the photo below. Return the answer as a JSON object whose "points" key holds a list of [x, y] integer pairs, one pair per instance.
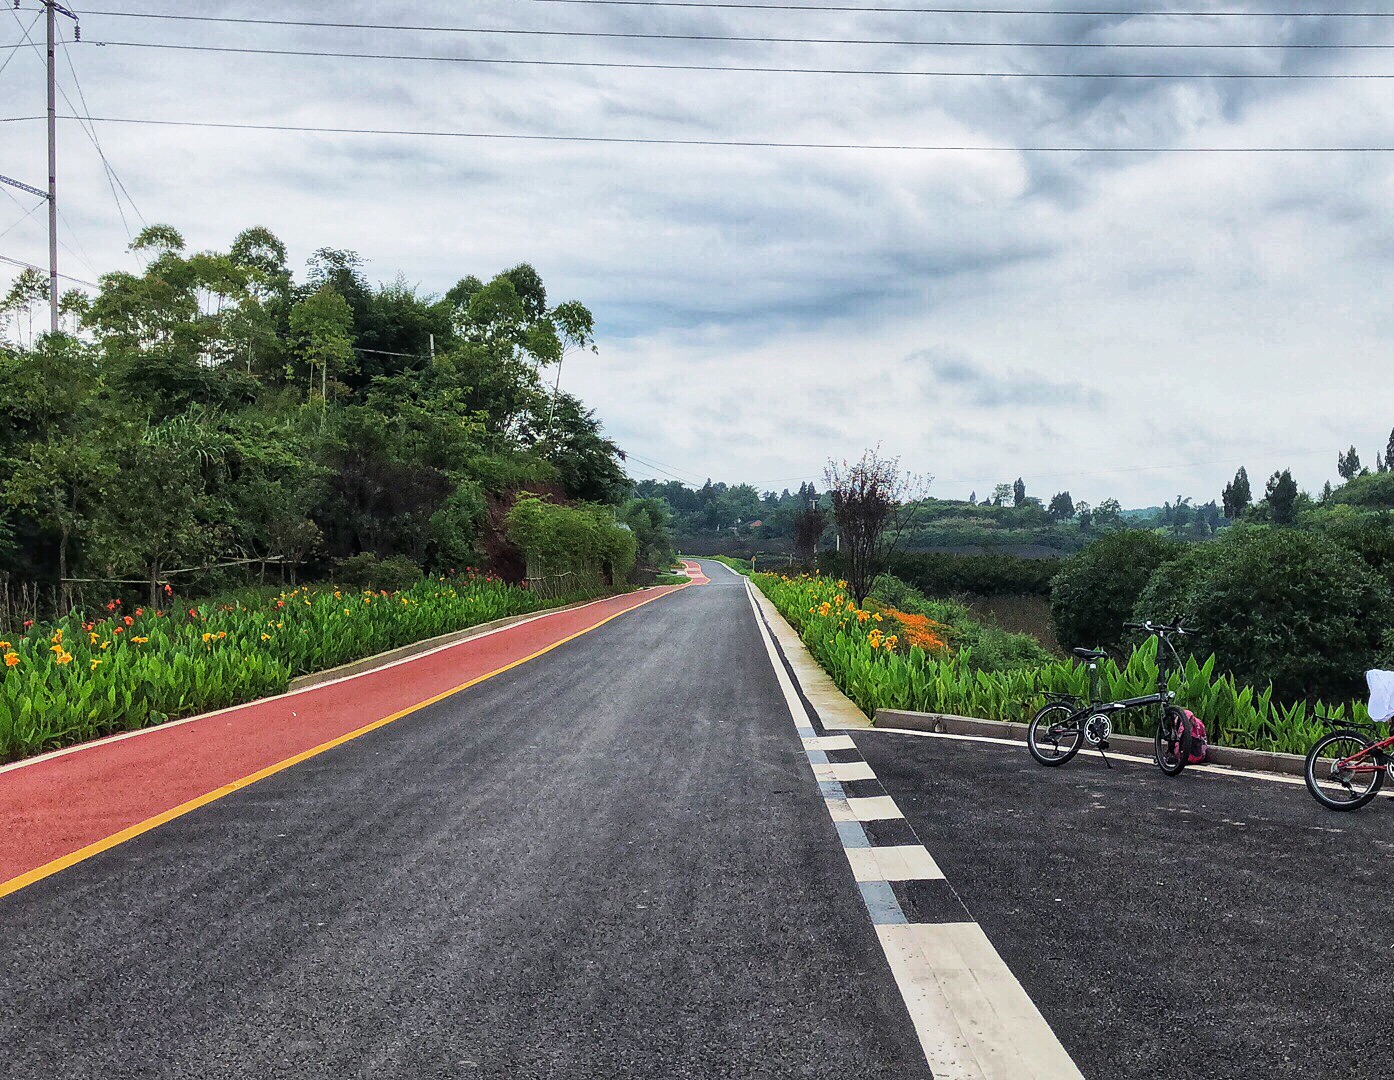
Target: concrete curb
{"points": [[416, 648], [1229, 756], [835, 709]]}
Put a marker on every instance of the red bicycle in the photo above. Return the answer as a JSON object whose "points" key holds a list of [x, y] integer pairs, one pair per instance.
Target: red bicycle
{"points": [[1347, 767]]}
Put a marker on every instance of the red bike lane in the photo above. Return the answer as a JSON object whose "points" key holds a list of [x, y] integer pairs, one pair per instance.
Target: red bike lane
{"points": [[63, 807]]}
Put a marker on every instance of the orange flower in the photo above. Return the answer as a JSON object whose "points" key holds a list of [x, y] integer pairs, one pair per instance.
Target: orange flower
{"points": [[11, 659], [63, 658], [129, 621]]}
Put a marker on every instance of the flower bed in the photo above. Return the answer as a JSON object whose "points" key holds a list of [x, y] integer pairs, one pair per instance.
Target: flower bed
{"points": [[915, 667], [82, 678]]}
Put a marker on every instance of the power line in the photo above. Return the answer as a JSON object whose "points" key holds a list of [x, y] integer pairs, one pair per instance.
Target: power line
{"points": [[739, 143], [13, 49], [44, 270], [635, 35], [113, 180], [639, 66]]}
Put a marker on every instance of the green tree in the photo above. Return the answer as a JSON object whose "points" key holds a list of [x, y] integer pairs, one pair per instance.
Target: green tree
{"points": [[322, 324], [1018, 492], [1062, 507], [1237, 496], [1281, 496], [1348, 464], [1095, 591]]}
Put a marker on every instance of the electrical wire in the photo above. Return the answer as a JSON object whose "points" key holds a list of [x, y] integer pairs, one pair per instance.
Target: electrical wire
{"points": [[741, 143], [113, 179], [44, 270], [15, 48], [636, 35], [641, 66]]}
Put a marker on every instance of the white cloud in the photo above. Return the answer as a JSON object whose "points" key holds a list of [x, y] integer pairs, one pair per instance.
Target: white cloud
{"points": [[757, 307]]}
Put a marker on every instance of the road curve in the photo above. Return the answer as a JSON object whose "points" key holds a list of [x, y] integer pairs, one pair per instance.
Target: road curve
{"points": [[612, 860]]}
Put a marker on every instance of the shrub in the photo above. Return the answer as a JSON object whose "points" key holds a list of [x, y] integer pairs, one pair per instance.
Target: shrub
{"points": [[1095, 591], [1294, 608], [454, 527], [988, 648], [582, 540], [938, 573], [1373, 491], [369, 572]]}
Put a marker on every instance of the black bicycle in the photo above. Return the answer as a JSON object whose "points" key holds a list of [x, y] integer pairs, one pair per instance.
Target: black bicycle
{"points": [[1065, 724]]}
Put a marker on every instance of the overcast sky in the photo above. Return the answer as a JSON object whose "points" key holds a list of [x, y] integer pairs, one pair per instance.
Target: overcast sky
{"points": [[1119, 325]]}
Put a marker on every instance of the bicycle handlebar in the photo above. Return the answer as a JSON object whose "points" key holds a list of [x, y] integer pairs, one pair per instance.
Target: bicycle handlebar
{"points": [[1160, 628]]}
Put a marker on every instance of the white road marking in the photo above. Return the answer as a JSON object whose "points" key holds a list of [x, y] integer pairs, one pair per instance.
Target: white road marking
{"points": [[830, 742], [851, 770], [908, 862], [973, 1018]]}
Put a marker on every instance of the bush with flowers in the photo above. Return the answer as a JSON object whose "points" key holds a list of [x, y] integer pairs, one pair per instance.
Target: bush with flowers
{"points": [[885, 658], [91, 675]]}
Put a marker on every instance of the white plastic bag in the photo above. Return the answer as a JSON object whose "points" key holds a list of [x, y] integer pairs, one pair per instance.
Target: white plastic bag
{"points": [[1381, 694]]}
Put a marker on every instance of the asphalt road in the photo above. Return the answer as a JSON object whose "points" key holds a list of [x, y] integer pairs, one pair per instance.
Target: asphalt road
{"points": [[611, 861], [1200, 926]]}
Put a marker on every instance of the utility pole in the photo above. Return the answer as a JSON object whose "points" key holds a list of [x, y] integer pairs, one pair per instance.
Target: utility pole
{"points": [[52, 10]]}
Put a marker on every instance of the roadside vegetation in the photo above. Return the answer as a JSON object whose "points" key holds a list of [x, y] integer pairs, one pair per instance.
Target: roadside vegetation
{"points": [[83, 677], [220, 477], [884, 657]]}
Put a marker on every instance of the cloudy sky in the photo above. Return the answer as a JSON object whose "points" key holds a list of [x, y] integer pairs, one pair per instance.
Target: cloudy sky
{"points": [[1129, 325]]}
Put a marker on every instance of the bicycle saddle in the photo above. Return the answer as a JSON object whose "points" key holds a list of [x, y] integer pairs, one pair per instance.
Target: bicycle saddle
{"points": [[1090, 654]]}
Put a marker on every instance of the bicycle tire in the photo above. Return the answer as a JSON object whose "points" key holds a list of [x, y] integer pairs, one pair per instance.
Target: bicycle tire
{"points": [[1171, 747], [1314, 756], [1037, 745]]}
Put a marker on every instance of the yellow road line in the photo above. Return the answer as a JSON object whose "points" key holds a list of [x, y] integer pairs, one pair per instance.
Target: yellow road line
{"points": [[29, 877]]}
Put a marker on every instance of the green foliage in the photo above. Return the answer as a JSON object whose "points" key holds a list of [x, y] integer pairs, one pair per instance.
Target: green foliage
{"points": [[987, 648], [216, 410], [1094, 592], [1278, 605], [368, 571], [70, 682], [953, 683], [1373, 491], [648, 520], [584, 541], [939, 574]]}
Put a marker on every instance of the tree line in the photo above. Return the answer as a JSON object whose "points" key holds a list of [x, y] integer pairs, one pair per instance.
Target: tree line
{"points": [[212, 411]]}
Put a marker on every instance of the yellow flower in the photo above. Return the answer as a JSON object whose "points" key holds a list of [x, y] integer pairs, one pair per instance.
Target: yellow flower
{"points": [[265, 637], [841, 584], [11, 659], [4, 644], [105, 645], [55, 648], [877, 617], [862, 616], [92, 638], [207, 638], [57, 636], [64, 658], [140, 640], [95, 662]]}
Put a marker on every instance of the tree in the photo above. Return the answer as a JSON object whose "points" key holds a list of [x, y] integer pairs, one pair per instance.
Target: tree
{"points": [[1108, 513], [872, 503], [1348, 464], [1237, 496], [321, 324], [1001, 493], [809, 524], [1281, 496], [1062, 507], [1389, 452], [1018, 492], [973, 498], [1095, 591]]}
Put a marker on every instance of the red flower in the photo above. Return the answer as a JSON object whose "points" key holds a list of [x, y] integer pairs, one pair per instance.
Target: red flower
{"points": [[169, 589], [139, 611], [28, 623], [111, 605], [116, 629], [193, 613], [128, 621]]}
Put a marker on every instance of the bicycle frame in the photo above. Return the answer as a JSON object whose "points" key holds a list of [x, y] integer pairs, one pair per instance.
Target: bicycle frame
{"points": [[1167, 659], [1360, 762]]}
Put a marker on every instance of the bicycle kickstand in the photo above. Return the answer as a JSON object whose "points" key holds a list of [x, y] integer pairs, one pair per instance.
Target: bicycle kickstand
{"points": [[1102, 747]]}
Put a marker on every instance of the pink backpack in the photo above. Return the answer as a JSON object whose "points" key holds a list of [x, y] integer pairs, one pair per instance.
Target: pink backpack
{"points": [[1199, 745]]}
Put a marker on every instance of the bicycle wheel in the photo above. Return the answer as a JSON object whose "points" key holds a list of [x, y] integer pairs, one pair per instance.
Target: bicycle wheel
{"points": [[1333, 780], [1172, 747], [1051, 738]]}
